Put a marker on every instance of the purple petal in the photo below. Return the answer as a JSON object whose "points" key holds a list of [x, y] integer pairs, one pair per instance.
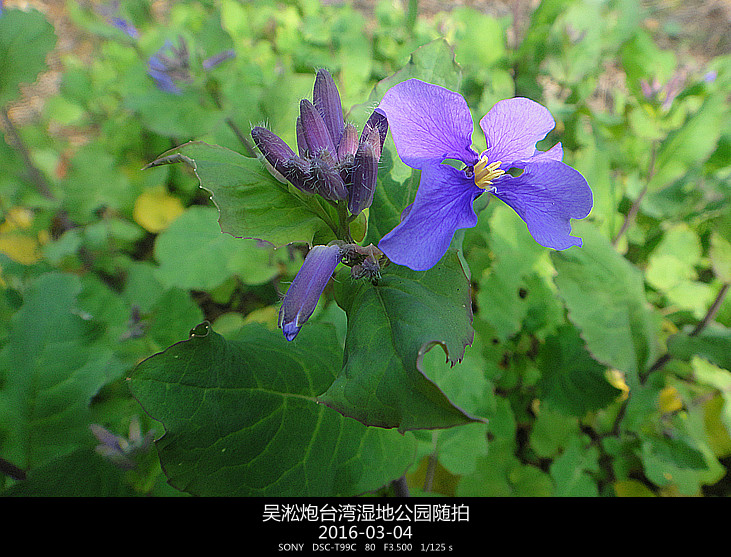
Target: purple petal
{"points": [[307, 287], [547, 195], [428, 123], [512, 129], [443, 204], [555, 153]]}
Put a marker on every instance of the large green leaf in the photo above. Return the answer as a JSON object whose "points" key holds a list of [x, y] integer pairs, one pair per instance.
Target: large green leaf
{"points": [[193, 254], [25, 40], [390, 328], [241, 417], [605, 297], [54, 363], [251, 203]]}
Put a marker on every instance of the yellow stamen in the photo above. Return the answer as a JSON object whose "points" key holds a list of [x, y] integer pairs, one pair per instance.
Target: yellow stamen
{"points": [[485, 173]]}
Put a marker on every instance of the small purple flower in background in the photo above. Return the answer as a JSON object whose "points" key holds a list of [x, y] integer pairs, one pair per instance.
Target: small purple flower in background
{"points": [[430, 124], [110, 12], [665, 94], [331, 160], [307, 287], [170, 66], [119, 450]]}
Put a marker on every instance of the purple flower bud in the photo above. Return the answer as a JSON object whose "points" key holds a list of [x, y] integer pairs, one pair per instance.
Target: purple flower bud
{"points": [[316, 134], [326, 181], [302, 147], [365, 172], [348, 142], [274, 149], [326, 99], [307, 287], [282, 158], [375, 131], [216, 59]]}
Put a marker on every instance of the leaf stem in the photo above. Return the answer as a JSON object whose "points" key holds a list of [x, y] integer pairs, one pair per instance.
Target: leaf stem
{"points": [[710, 314], [36, 175], [634, 209], [665, 358]]}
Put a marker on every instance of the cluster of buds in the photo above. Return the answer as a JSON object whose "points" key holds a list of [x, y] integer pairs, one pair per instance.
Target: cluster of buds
{"points": [[331, 161], [170, 66]]}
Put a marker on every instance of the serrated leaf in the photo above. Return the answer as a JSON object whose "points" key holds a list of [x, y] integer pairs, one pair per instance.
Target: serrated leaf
{"points": [[390, 327], [251, 203], [572, 381], [241, 418], [25, 40], [605, 297]]}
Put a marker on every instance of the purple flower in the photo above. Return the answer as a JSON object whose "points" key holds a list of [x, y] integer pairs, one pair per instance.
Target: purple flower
{"points": [[307, 287], [110, 12], [430, 124], [169, 66], [331, 160], [119, 450]]}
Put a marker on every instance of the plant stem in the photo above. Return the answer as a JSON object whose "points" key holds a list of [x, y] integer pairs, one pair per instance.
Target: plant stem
{"points": [[36, 175], [710, 314], [633, 210]]}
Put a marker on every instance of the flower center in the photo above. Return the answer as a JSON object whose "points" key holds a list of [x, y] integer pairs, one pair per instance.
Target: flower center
{"points": [[485, 173]]}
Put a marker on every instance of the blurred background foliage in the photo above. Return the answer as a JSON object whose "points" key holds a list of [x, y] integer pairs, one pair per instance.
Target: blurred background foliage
{"points": [[602, 371]]}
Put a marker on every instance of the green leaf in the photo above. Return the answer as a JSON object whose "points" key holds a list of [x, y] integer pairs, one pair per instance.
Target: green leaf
{"points": [[390, 328], [434, 63], [571, 471], [82, 473], [25, 40], [690, 145], [572, 381], [194, 254], [721, 257], [714, 344], [54, 367], [605, 297], [251, 203], [241, 418], [516, 252]]}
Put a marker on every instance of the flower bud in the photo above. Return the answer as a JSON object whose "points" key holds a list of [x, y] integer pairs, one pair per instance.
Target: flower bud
{"points": [[375, 131], [365, 173], [326, 181], [306, 288], [318, 138], [282, 158], [326, 99], [348, 142]]}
